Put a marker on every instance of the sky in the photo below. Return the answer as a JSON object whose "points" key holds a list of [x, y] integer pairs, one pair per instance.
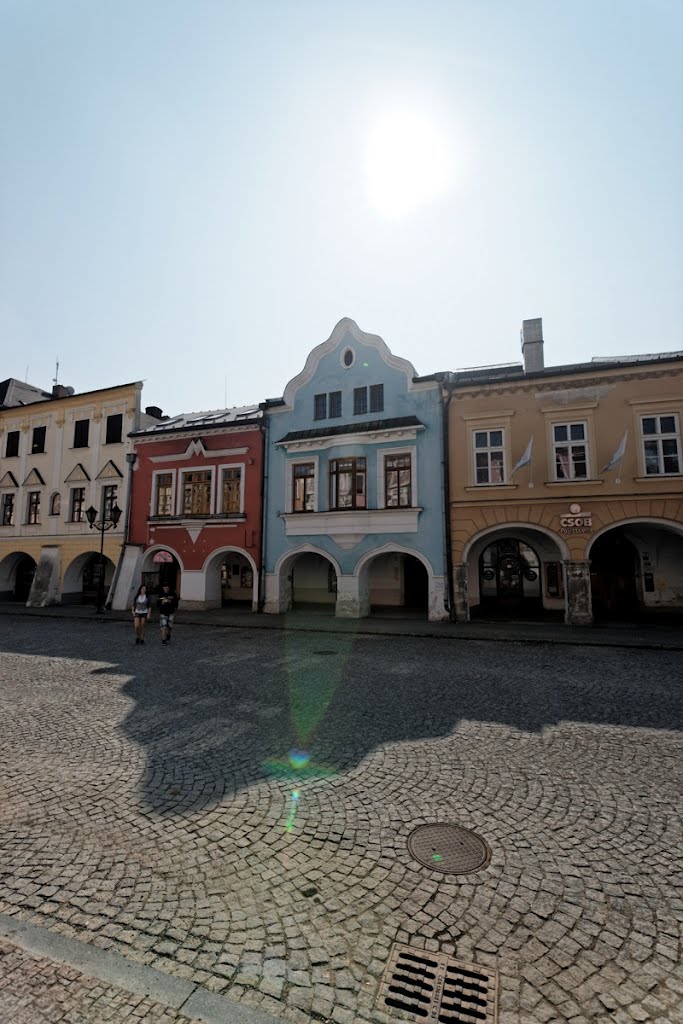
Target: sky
{"points": [[194, 193]]}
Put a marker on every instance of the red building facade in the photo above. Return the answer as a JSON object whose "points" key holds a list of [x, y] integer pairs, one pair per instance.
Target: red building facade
{"points": [[195, 511]]}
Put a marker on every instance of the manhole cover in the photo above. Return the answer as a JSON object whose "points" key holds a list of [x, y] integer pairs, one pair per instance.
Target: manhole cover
{"points": [[448, 848], [435, 986]]}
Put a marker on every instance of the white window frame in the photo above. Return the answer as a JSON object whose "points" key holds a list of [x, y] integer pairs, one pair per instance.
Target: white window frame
{"points": [[658, 438], [14, 494], [289, 486], [391, 453], [181, 485], [219, 489], [152, 498], [585, 442], [489, 448], [117, 485], [83, 519], [28, 507]]}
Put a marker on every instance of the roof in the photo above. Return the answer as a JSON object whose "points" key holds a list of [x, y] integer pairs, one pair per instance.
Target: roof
{"points": [[352, 428], [15, 392], [202, 420], [485, 375], [34, 398]]}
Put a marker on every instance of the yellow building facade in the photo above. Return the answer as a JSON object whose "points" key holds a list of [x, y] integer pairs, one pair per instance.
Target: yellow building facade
{"points": [[566, 488], [58, 457]]}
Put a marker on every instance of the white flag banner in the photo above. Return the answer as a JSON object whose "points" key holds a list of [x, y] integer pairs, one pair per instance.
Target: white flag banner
{"points": [[618, 454], [525, 459]]}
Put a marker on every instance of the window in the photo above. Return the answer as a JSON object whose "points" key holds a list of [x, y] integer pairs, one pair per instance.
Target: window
{"points": [[7, 509], [489, 459], [33, 516], [76, 504], [360, 401], [303, 487], [114, 428], [81, 428], [197, 493], [12, 447], [377, 398], [163, 494], [231, 491], [661, 444], [335, 404], [571, 451], [347, 483], [109, 495], [397, 481], [55, 504], [320, 407], [38, 443], [348, 357]]}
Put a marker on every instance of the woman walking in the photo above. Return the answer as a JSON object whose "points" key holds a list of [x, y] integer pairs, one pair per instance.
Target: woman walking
{"points": [[141, 612]]}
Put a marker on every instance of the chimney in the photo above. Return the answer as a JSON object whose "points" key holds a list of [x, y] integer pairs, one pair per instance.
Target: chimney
{"points": [[60, 391], [155, 411], [532, 345]]}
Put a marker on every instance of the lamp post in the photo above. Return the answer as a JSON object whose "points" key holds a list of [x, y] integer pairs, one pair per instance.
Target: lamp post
{"points": [[105, 523]]}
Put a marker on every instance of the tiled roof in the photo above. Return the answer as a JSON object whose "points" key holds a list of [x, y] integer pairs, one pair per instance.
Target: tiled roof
{"points": [[352, 428], [16, 392], [202, 420]]}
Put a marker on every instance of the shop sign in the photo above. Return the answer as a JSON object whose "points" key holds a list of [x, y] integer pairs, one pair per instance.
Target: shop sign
{"points": [[576, 521]]}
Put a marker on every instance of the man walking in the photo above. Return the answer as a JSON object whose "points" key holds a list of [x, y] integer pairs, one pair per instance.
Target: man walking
{"points": [[167, 603]]}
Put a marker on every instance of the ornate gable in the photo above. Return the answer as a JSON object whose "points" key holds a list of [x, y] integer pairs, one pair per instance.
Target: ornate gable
{"points": [[34, 479], [8, 480]]}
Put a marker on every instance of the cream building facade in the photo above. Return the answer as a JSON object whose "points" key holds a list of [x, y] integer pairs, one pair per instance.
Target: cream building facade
{"points": [[566, 488], [58, 457]]}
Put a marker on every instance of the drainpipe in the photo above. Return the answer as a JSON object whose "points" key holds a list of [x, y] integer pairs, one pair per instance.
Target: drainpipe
{"points": [[446, 485], [131, 459], [264, 496]]}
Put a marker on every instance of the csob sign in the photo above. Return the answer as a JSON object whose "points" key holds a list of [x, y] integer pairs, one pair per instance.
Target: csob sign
{"points": [[576, 521], [163, 556]]}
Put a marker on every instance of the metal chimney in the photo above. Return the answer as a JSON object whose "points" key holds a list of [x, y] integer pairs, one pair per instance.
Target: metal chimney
{"points": [[532, 345]]}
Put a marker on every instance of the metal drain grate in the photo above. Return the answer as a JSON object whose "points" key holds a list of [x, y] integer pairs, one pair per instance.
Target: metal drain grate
{"points": [[433, 986], [449, 848]]}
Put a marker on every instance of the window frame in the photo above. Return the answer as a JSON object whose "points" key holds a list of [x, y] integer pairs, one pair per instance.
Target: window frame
{"points": [[398, 455], [293, 465], [357, 472], [376, 398], [33, 508], [360, 401], [76, 505], [83, 430], [16, 440], [109, 498], [40, 438], [181, 492], [110, 417], [658, 438], [489, 449], [8, 502], [222, 470], [56, 504], [320, 406], [571, 443], [156, 484], [334, 405]]}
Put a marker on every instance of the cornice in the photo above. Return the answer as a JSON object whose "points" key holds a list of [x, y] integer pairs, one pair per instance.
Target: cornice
{"points": [[559, 384]]}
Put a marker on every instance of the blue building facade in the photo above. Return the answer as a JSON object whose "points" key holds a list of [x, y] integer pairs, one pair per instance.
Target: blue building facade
{"points": [[354, 502]]}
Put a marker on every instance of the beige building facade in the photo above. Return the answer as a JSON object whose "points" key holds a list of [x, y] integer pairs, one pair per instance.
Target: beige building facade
{"points": [[58, 457], [566, 488]]}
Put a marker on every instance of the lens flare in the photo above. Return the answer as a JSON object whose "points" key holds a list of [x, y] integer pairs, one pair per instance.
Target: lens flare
{"points": [[298, 758]]}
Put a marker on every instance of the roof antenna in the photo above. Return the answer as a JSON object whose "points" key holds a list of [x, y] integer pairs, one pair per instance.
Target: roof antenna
{"points": [[26, 377], [225, 393], [55, 379]]}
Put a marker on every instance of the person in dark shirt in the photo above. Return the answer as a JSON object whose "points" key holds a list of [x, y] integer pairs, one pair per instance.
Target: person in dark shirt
{"points": [[167, 602]]}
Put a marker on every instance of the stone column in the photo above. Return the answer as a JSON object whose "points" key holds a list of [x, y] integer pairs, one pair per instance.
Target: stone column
{"points": [[348, 598], [45, 586], [461, 608], [579, 604]]}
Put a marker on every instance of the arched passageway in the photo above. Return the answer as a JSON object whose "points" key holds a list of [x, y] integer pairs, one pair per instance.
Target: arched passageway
{"points": [[82, 578], [398, 584], [160, 567], [237, 580], [16, 576], [636, 572], [313, 582]]}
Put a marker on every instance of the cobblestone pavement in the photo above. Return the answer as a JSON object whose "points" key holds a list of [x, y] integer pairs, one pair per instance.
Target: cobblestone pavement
{"points": [[233, 810], [36, 990]]}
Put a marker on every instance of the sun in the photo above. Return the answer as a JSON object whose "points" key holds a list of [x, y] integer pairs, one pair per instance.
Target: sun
{"points": [[408, 162]]}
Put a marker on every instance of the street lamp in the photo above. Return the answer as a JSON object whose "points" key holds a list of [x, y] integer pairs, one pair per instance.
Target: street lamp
{"points": [[105, 523]]}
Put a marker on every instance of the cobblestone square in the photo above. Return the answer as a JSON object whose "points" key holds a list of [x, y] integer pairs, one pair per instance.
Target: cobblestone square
{"points": [[233, 810]]}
